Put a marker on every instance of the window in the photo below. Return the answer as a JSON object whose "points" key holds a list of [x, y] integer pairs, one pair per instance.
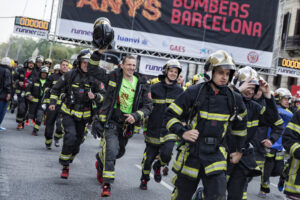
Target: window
{"points": [[277, 80], [285, 28], [297, 24], [291, 81]]}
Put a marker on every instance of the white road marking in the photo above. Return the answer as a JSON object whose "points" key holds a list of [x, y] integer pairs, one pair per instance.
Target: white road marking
{"points": [[169, 187]]}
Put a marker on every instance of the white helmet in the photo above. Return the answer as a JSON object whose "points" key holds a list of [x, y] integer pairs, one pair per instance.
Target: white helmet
{"points": [[282, 93], [5, 61], [56, 67]]}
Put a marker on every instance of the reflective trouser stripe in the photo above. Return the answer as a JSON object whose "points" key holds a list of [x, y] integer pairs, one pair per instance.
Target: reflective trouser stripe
{"points": [[48, 141], [217, 166], [244, 196], [58, 135], [174, 194], [65, 157], [108, 174], [36, 126], [146, 172]]}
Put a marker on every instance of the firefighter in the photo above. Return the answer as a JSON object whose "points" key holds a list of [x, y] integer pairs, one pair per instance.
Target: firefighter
{"points": [[23, 78], [274, 163], [180, 80], [80, 89], [35, 94], [159, 141], [291, 143], [210, 107], [56, 69], [53, 116], [261, 134], [247, 82], [127, 102], [48, 62], [13, 99], [39, 61]]}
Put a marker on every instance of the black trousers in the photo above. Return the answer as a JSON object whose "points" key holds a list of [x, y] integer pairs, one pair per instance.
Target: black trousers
{"points": [[53, 117], [32, 110], [214, 186], [237, 183], [22, 109], [272, 167], [151, 151], [38, 119], [73, 135]]}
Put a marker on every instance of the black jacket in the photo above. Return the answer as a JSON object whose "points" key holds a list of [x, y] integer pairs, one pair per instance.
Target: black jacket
{"points": [[162, 96], [5, 82], [20, 77], [210, 114], [36, 90], [51, 81], [142, 100], [76, 85], [260, 116]]}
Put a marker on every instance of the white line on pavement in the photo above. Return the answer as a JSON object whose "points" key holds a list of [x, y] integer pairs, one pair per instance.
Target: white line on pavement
{"points": [[162, 182]]}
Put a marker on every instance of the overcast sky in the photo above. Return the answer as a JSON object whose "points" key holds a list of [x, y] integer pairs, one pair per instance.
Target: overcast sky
{"points": [[27, 8]]}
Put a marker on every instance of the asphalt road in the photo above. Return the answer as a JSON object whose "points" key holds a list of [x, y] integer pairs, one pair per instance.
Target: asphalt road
{"points": [[30, 172]]}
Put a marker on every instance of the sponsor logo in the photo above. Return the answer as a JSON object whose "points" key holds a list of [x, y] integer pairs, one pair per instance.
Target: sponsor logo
{"points": [[177, 48], [205, 51], [132, 40], [253, 57], [154, 67]]}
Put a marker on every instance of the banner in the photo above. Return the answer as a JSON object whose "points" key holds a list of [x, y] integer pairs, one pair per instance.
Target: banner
{"points": [[192, 28], [153, 66], [295, 91], [31, 27]]}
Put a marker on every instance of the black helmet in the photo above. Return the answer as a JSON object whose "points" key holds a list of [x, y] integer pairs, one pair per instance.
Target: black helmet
{"points": [[30, 60], [39, 59], [103, 33], [84, 54]]}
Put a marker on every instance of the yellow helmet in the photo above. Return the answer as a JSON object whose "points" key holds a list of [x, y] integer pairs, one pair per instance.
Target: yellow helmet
{"points": [[70, 66], [12, 63], [154, 81], [220, 58], [48, 60], [188, 84]]}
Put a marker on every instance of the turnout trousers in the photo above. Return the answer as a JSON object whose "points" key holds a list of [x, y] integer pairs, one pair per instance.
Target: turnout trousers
{"points": [[113, 147], [151, 151], [38, 119], [273, 166], [73, 135], [214, 186], [237, 183], [53, 117], [22, 109]]}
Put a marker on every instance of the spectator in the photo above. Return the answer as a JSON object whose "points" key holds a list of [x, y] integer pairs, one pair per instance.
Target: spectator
{"points": [[5, 88]]}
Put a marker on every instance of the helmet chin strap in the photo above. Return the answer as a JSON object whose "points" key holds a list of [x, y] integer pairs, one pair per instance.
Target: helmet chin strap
{"points": [[172, 81], [218, 86]]}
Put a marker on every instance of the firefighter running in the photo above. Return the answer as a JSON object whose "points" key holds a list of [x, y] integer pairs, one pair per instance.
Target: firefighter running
{"points": [[211, 107], [158, 140], [80, 90]]}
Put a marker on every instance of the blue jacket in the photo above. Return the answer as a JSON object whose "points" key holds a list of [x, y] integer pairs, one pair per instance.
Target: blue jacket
{"points": [[286, 116]]}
